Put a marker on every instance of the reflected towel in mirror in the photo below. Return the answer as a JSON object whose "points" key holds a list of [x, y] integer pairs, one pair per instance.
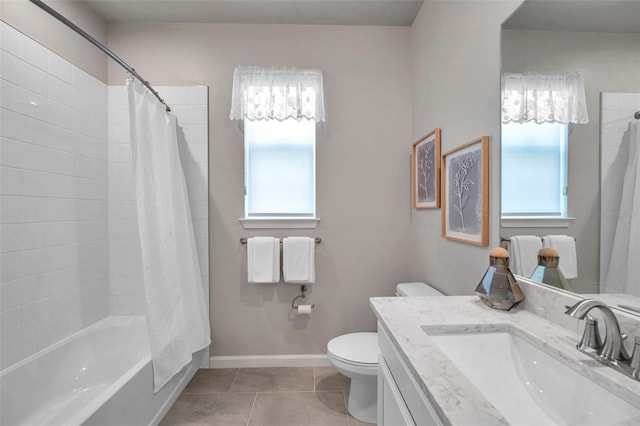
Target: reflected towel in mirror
{"points": [[565, 245], [524, 254]]}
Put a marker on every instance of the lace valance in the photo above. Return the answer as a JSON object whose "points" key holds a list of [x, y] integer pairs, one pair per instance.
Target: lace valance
{"points": [[551, 98], [277, 94]]}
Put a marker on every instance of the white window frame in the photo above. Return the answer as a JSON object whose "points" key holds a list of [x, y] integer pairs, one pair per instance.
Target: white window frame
{"points": [[539, 218], [277, 219]]}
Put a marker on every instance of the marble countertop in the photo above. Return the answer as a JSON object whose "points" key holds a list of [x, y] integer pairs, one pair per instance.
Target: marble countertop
{"points": [[409, 319]]}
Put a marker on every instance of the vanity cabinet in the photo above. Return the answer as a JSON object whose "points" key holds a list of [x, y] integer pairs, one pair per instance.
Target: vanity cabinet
{"points": [[400, 400]]}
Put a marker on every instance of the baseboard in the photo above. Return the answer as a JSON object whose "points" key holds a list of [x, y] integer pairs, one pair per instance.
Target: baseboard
{"points": [[253, 361]]}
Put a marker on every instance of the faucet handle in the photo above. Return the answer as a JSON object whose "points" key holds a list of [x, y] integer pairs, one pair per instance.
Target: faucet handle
{"points": [[635, 356], [591, 335]]}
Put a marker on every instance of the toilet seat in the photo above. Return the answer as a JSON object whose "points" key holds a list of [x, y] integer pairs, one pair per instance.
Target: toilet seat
{"points": [[357, 349]]}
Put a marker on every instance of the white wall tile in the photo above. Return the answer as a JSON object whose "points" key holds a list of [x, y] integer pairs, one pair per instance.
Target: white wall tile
{"points": [[34, 105], [629, 101], [9, 37], [10, 351], [9, 123], [126, 285], [198, 95], [123, 229], [33, 78], [117, 96], [59, 67], [53, 197], [81, 101], [11, 96], [10, 237], [81, 80], [58, 114], [33, 52], [36, 339], [9, 67], [60, 91], [120, 153], [10, 295], [11, 323], [120, 172], [195, 133]]}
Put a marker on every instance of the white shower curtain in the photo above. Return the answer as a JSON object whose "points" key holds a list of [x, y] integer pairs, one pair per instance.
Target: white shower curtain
{"points": [[177, 316], [624, 268]]}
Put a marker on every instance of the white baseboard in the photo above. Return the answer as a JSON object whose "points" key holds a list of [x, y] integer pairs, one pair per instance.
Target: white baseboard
{"points": [[253, 361]]}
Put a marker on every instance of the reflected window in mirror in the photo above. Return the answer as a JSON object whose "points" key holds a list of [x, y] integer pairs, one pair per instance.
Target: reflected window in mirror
{"points": [[534, 170]]}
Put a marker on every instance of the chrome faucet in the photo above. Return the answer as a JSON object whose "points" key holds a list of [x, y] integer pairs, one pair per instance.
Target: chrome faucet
{"points": [[612, 351]]}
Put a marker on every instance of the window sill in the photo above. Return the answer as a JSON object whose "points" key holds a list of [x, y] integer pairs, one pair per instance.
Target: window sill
{"points": [[280, 223], [536, 222]]}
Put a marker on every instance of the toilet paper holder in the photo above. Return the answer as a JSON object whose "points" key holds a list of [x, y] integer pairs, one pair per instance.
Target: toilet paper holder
{"points": [[303, 295]]}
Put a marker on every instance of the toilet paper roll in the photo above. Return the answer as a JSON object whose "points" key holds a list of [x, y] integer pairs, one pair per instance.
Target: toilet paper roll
{"points": [[304, 309]]}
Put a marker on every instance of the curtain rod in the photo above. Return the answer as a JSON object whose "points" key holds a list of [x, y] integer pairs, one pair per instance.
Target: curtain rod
{"points": [[100, 46]]}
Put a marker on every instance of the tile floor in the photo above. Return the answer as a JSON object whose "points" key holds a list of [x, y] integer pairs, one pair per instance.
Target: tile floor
{"points": [[281, 396]]}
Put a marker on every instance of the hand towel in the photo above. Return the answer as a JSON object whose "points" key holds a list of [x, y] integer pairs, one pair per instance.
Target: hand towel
{"points": [[524, 254], [565, 245], [263, 260], [299, 260]]}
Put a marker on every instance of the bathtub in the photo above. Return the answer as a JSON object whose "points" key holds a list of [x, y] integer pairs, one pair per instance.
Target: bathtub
{"points": [[101, 375]]}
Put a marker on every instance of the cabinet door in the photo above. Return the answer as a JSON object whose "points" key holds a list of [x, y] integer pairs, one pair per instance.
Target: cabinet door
{"points": [[392, 411]]}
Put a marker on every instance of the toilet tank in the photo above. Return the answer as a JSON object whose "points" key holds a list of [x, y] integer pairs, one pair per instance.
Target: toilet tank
{"points": [[416, 289]]}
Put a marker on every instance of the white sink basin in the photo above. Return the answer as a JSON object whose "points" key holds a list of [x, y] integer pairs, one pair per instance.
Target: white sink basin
{"points": [[529, 386]]}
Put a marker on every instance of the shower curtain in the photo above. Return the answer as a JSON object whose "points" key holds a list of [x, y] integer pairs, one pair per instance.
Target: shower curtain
{"points": [[624, 267], [177, 316]]}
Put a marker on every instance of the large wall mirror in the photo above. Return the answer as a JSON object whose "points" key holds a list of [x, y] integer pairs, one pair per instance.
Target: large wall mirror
{"points": [[601, 41]]}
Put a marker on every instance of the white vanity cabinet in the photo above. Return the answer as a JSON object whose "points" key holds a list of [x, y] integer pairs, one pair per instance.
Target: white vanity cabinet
{"points": [[401, 402]]}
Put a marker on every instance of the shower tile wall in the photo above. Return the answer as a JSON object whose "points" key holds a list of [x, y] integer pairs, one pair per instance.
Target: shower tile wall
{"points": [[54, 194], [616, 111], [189, 104]]}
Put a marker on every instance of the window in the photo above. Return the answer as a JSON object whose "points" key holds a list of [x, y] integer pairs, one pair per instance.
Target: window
{"points": [[534, 170], [280, 168], [279, 108]]}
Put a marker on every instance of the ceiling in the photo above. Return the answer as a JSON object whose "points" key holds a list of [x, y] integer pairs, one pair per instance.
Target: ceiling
{"points": [[613, 16], [325, 12]]}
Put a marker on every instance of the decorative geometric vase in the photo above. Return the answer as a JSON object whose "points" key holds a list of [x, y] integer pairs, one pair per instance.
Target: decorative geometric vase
{"points": [[498, 288], [547, 270]]}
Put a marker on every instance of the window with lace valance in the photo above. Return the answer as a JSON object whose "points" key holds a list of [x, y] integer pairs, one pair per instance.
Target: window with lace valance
{"points": [[543, 98], [277, 94]]}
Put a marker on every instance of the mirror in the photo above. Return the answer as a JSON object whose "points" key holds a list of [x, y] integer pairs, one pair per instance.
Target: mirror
{"points": [[601, 39]]}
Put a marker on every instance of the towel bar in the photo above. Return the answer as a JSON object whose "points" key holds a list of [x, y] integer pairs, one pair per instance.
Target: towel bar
{"points": [[508, 239], [243, 240]]}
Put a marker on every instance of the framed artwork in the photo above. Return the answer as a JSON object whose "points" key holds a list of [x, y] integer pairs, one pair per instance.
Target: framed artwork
{"points": [[425, 167], [465, 193]]}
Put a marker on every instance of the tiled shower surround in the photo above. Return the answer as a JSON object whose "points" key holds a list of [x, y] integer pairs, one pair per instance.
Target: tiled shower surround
{"points": [[616, 111], [68, 250], [189, 104]]}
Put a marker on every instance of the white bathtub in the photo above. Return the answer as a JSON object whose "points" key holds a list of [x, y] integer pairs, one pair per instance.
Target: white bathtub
{"points": [[101, 375]]}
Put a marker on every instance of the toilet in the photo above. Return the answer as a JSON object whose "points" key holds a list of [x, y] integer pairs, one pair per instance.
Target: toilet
{"points": [[355, 355]]}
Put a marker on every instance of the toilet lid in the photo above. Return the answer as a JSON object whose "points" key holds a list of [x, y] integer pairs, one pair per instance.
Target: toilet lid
{"points": [[360, 348]]}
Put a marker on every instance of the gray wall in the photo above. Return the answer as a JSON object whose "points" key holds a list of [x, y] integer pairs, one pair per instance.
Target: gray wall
{"points": [[362, 177], [608, 62], [40, 26], [456, 86]]}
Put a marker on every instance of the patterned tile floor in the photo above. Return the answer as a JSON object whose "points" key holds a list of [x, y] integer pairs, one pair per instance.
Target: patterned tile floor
{"points": [[282, 396]]}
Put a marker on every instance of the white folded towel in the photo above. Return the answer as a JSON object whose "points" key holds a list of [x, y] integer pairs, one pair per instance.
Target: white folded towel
{"points": [[298, 263], [524, 254], [565, 245], [263, 260]]}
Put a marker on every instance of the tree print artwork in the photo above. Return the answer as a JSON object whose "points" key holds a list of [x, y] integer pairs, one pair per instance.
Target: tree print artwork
{"points": [[465, 203]]}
